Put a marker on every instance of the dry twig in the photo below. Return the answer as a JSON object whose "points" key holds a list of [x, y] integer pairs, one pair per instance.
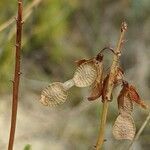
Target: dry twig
{"points": [[16, 76], [110, 86]]}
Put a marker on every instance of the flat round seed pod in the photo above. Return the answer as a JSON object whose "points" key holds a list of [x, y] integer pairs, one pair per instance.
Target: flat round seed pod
{"points": [[54, 94], [124, 127], [85, 75]]}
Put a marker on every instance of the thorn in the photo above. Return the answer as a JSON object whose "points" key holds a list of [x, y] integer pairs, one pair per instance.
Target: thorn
{"points": [[17, 45], [105, 140], [124, 41], [16, 19], [12, 81], [118, 54], [94, 146], [19, 73], [22, 22]]}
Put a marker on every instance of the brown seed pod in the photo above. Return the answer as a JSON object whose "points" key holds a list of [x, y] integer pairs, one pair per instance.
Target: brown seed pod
{"points": [[97, 86], [125, 105], [80, 62], [124, 127], [134, 96], [85, 74], [118, 76], [54, 94], [104, 89]]}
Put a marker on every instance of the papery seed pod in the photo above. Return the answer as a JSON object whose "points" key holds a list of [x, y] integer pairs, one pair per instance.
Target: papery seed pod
{"points": [[125, 105], [97, 86], [80, 62], [54, 94], [133, 94], [124, 127], [85, 74]]}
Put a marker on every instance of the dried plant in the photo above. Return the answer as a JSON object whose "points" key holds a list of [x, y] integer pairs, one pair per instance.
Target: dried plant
{"points": [[16, 80], [90, 72]]}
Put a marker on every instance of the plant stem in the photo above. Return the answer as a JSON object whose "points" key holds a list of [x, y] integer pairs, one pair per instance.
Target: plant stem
{"points": [[16, 76], [103, 118], [110, 86]]}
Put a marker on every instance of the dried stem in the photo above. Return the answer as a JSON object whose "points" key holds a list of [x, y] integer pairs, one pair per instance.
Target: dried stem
{"points": [[140, 131], [110, 86], [16, 76]]}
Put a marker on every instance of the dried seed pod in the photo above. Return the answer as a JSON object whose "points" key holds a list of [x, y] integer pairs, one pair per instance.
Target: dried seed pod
{"points": [[134, 96], [118, 76], [124, 127], [80, 62], [85, 74], [125, 105], [97, 86], [104, 89], [54, 94]]}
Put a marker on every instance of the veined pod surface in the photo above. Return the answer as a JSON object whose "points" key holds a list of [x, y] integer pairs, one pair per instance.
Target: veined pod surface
{"points": [[85, 74], [124, 127], [54, 94], [125, 105]]}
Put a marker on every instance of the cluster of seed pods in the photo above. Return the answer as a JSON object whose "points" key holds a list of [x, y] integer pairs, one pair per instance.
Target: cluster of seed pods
{"points": [[124, 126], [85, 75], [90, 73]]}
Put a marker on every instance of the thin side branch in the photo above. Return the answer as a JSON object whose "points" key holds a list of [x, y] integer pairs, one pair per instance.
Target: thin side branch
{"points": [[140, 131], [110, 86], [16, 76]]}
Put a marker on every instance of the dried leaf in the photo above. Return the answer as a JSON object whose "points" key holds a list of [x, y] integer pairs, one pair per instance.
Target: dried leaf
{"points": [[54, 94], [124, 127], [96, 90]]}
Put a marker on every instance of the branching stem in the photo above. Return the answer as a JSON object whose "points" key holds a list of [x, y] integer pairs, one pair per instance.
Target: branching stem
{"points": [[110, 87], [16, 76]]}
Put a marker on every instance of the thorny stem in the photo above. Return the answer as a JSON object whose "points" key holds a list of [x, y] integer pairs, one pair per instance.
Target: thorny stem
{"points": [[16, 76], [140, 131], [110, 86]]}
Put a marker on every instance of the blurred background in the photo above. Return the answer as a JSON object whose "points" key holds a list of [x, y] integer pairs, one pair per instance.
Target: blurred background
{"points": [[56, 33]]}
